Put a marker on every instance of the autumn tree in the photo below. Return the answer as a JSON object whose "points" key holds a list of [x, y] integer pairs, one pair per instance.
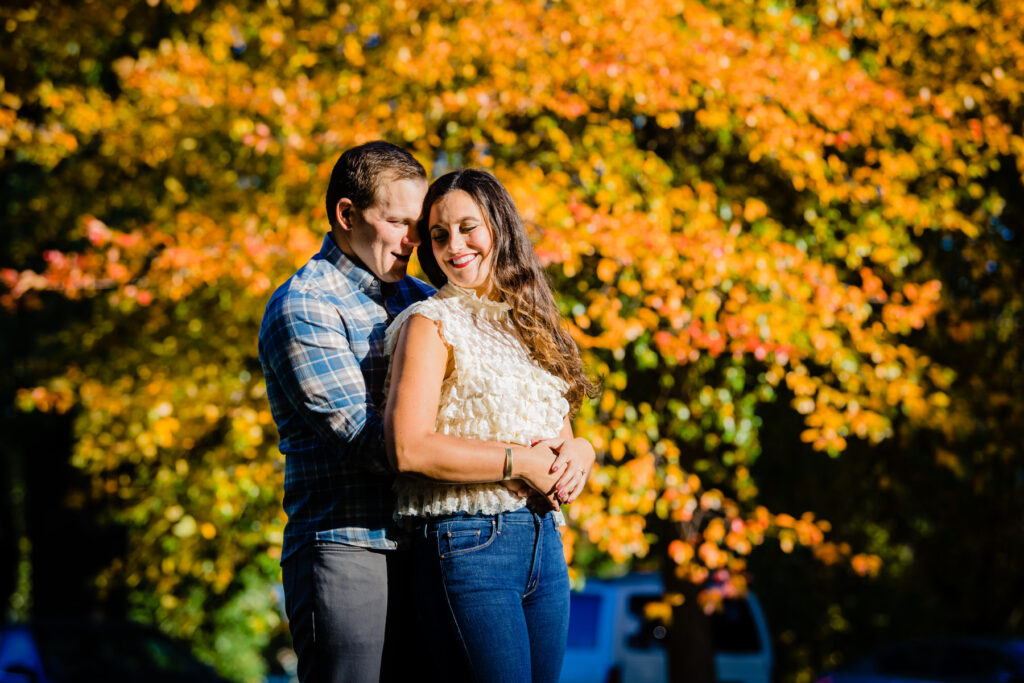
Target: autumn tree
{"points": [[941, 507], [736, 203]]}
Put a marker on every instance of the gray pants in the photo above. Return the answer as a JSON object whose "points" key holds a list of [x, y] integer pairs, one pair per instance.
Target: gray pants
{"points": [[352, 614]]}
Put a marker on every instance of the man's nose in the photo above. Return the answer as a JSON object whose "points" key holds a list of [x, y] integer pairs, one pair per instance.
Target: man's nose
{"points": [[412, 236]]}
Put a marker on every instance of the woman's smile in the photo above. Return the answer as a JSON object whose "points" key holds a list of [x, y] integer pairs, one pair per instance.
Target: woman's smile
{"points": [[462, 261], [462, 241]]}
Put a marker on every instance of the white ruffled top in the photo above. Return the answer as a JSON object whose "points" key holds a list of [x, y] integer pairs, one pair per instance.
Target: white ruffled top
{"points": [[496, 392]]}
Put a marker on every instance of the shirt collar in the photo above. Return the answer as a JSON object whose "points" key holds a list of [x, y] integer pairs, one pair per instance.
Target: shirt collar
{"points": [[351, 270]]}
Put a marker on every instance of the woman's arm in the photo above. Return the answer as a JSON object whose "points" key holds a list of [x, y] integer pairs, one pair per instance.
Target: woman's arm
{"points": [[418, 369]]}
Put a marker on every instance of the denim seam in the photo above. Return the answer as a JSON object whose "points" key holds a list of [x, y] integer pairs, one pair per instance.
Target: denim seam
{"points": [[538, 547], [448, 601]]}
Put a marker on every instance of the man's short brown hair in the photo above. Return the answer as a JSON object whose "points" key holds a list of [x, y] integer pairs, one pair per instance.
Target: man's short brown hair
{"points": [[361, 171]]}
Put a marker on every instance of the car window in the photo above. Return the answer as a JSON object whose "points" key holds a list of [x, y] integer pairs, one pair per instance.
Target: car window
{"points": [[652, 632], [584, 613], [733, 628]]}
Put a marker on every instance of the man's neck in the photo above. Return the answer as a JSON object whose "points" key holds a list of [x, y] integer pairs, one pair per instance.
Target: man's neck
{"points": [[341, 241]]}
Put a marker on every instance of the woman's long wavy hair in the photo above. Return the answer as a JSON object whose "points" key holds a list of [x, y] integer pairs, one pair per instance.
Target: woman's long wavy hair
{"points": [[518, 278]]}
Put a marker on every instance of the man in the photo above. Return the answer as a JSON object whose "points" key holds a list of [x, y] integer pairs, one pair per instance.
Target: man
{"points": [[321, 347]]}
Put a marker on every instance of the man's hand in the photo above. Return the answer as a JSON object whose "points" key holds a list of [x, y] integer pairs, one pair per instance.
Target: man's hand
{"points": [[517, 487], [542, 504], [538, 502]]}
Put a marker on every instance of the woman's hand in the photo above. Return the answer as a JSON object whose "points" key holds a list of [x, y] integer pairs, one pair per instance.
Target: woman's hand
{"points": [[573, 464], [534, 466]]}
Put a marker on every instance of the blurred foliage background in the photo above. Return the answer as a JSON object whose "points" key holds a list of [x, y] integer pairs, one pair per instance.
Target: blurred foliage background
{"points": [[787, 235]]}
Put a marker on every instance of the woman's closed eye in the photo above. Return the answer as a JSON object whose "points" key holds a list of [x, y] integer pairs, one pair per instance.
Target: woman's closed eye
{"points": [[440, 235]]}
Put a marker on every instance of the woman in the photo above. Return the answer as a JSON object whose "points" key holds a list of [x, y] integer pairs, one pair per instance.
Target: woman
{"points": [[481, 371]]}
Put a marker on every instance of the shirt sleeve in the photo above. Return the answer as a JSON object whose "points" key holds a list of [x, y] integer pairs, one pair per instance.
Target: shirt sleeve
{"points": [[307, 350]]}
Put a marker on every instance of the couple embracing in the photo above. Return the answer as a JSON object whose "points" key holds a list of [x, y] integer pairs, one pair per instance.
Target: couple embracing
{"points": [[426, 434]]}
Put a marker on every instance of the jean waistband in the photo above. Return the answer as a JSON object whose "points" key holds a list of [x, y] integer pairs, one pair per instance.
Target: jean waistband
{"points": [[523, 515]]}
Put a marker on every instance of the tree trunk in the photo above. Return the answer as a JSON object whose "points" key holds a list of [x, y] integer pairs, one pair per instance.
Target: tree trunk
{"points": [[691, 658]]}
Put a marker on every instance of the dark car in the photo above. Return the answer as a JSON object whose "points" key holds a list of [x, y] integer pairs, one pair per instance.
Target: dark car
{"points": [[939, 660], [81, 650]]}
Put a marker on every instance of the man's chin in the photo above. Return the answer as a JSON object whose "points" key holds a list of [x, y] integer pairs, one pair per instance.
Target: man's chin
{"points": [[396, 272]]}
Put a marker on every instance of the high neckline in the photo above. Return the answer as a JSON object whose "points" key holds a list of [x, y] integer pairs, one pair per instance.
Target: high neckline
{"points": [[477, 305]]}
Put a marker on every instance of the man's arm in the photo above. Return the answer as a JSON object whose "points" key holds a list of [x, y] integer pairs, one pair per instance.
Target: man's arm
{"points": [[306, 347]]}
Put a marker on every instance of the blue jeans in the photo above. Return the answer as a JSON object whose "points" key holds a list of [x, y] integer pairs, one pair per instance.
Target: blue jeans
{"points": [[493, 594]]}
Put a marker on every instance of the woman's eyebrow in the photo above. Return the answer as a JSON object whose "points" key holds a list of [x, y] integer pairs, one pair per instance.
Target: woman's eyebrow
{"points": [[457, 221]]}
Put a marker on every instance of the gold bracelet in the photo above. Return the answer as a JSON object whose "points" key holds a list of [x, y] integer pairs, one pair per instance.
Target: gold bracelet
{"points": [[508, 464]]}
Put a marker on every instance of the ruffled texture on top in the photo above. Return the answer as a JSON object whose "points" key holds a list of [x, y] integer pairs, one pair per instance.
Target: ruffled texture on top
{"points": [[496, 392]]}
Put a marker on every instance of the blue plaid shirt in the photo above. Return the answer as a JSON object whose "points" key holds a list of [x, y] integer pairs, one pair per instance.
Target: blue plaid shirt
{"points": [[321, 346]]}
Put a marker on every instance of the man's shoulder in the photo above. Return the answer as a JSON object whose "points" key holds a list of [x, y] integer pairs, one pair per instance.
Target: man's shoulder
{"points": [[314, 288], [316, 280]]}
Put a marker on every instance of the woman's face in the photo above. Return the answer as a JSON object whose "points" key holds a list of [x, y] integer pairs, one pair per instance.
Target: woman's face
{"points": [[462, 241]]}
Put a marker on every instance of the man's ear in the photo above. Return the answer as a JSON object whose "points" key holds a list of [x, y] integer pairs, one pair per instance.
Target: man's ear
{"points": [[343, 213]]}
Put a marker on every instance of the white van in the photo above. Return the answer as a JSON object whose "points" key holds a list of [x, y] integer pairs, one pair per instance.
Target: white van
{"points": [[611, 642]]}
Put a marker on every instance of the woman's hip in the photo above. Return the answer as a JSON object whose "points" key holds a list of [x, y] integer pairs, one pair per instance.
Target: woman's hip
{"points": [[494, 593], [514, 549]]}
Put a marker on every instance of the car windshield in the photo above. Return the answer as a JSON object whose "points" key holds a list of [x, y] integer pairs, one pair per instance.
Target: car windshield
{"points": [[733, 629]]}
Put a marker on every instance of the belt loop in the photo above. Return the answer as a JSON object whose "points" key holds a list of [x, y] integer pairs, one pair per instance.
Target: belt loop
{"points": [[498, 521]]}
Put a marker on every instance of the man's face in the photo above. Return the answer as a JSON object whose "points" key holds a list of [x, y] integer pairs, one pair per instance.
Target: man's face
{"points": [[383, 235]]}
